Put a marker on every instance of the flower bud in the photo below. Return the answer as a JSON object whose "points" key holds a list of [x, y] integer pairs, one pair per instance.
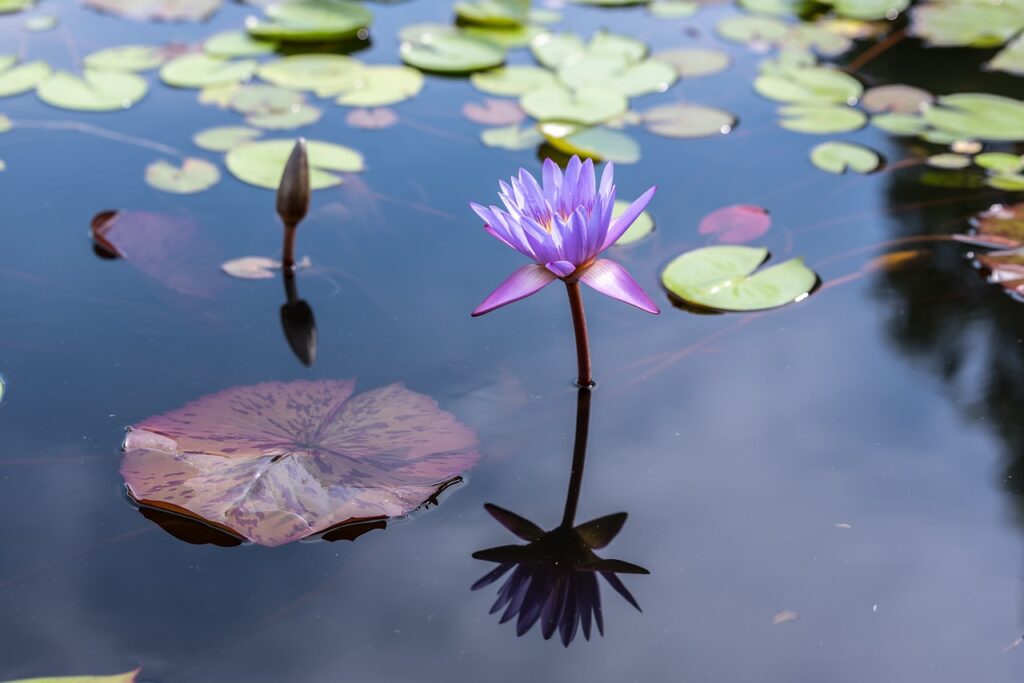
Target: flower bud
{"points": [[293, 192]]}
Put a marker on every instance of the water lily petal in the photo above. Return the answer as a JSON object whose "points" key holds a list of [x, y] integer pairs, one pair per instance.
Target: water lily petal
{"points": [[569, 199], [521, 284], [611, 279], [552, 181], [623, 222], [560, 268]]}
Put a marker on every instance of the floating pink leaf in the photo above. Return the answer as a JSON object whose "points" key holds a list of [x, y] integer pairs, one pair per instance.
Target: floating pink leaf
{"points": [[278, 462], [736, 224], [372, 119], [494, 112]]}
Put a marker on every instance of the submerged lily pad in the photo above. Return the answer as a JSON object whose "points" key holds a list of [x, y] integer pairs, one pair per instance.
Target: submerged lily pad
{"points": [[641, 228], [900, 124], [311, 21], [585, 106], [94, 91], [16, 78], [278, 462], [157, 10], [736, 224], [723, 278], [262, 163], [194, 175], [443, 49], [202, 71], [688, 121], [1001, 223], [512, 80], [512, 137], [838, 157], [223, 138], [126, 58]]}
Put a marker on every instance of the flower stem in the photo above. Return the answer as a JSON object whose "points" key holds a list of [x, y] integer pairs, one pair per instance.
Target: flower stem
{"points": [[579, 326], [579, 456], [288, 251]]}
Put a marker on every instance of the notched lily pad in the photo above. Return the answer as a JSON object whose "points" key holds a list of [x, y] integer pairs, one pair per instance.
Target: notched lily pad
{"points": [[686, 120], [198, 70], [821, 119], [130, 58], [193, 175], [736, 224], [372, 119], [445, 50], [513, 138], [279, 462], [726, 278], [223, 138], [262, 163], [585, 106], [17, 78], [306, 21], [838, 157], [94, 91], [157, 10], [512, 81]]}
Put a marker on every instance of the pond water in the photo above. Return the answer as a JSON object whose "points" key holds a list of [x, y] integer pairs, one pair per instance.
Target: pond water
{"points": [[853, 460]]}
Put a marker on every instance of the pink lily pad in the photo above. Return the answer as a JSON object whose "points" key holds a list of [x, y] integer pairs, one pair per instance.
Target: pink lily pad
{"points": [[372, 119], [276, 462], [494, 112], [736, 224]]}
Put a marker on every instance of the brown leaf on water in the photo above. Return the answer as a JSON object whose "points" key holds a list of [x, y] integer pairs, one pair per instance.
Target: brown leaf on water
{"points": [[894, 260], [784, 616]]}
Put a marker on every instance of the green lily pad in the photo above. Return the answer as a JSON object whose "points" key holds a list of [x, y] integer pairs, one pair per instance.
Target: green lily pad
{"points": [[950, 161], [611, 73], [815, 119], [202, 71], [317, 72], [839, 157], [447, 51], [694, 62], [223, 138], [1010, 182], [512, 80], [302, 115], [12, 6], [723, 278], [673, 9], [600, 144], [809, 85], [379, 86], [1000, 162], [131, 58], [641, 228], [551, 49], [978, 116], [16, 78], [748, 30], [586, 106], [303, 21], [688, 121], [555, 49], [976, 24], [506, 38], [869, 10], [232, 44], [609, 3], [157, 10], [41, 23], [94, 91], [501, 13], [1010, 59], [900, 124], [512, 137], [194, 175], [808, 37], [264, 99], [262, 163]]}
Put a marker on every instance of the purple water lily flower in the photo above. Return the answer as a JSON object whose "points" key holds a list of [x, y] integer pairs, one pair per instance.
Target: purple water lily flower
{"points": [[563, 225]]}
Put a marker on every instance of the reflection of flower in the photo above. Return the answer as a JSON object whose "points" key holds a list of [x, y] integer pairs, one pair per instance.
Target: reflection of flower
{"points": [[563, 225], [554, 576]]}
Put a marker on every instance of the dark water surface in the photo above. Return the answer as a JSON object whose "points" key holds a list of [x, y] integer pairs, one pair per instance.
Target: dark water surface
{"points": [[890, 403]]}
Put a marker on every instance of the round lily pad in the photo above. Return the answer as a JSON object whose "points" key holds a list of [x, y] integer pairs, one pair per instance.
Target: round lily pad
{"points": [[125, 58], [512, 80], [445, 50], [498, 13], [379, 86], [641, 228], [896, 98], [978, 116], [194, 175], [688, 121], [265, 99], [201, 71], [838, 157], [319, 72], [1000, 162], [506, 38], [809, 85], [301, 115], [899, 124], [223, 138], [156, 10], [372, 119], [614, 74], [747, 30], [94, 91], [231, 44], [600, 144], [1010, 182], [586, 106], [12, 6], [551, 49], [694, 62], [262, 163], [808, 118], [723, 278], [673, 9], [311, 21], [16, 79], [950, 161], [512, 137]]}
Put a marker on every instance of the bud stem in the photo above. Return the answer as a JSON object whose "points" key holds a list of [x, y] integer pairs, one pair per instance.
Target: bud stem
{"points": [[579, 326]]}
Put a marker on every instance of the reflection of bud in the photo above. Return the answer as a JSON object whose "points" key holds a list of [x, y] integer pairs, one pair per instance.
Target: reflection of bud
{"points": [[298, 323], [293, 192]]}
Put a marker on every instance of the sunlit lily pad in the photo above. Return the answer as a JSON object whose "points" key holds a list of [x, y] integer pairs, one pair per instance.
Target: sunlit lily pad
{"points": [[688, 121], [978, 116], [694, 62], [157, 10], [223, 138], [838, 157], [193, 175], [372, 119], [585, 106], [641, 228], [673, 9], [231, 44], [977, 24], [555, 49], [12, 6], [445, 50], [311, 21], [17, 78], [198, 70], [126, 58], [736, 224], [262, 163], [500, 13], [631, 79], [264, 99], [512, 137], [512, 80], [94, 91], [900, 124], [600, 144], [809, 85], [750, 30], [1000, 162], [317, 72], [127, 677], [278, 462], [506, 38], [1010, 182], [297, 117], [378, 86], [1010, 59], [814, 119], [726, 278], [896, 98]]}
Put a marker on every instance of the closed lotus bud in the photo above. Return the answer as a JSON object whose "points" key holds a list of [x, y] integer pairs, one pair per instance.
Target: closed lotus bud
{"points": [[293, 192]]}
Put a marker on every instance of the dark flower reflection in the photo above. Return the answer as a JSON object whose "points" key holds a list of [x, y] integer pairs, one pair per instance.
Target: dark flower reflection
{"points": [[552, 579]]}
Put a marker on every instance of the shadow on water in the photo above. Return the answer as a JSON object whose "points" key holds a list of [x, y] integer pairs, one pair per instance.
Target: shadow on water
{"points": [[298, 323], [553, 579]]}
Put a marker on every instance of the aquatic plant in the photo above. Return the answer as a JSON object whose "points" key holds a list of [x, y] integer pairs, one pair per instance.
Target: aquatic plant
{"points": [[293, 200], [564, 225]]}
